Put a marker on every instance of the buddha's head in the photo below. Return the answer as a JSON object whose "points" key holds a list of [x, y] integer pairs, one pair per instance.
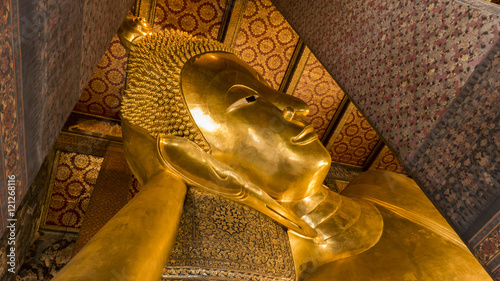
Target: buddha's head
{"points": [[199, 89]]}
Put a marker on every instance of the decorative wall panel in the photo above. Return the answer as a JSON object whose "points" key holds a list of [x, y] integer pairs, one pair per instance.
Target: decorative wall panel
{"points": [[266, 41], [486, 245], [72, 185], [103, 93], [317, 88], [222, 240], [199, 18], [12, 154], [393, 67], [355, 141], [460, 159]]}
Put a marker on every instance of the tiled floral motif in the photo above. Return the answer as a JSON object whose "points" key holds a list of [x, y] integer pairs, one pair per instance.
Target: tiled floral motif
{"points": [[266, 41], [355, 141], [317, 88], [72, 187], [388, 161], [102, 95], [199, 18]]}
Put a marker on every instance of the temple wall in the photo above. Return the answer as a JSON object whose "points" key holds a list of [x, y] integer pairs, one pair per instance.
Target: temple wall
{"points": [[426, 75], [48, 52]]}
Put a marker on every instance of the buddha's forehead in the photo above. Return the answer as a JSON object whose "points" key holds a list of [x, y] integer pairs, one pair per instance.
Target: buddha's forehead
{"points": [[206, 79]]}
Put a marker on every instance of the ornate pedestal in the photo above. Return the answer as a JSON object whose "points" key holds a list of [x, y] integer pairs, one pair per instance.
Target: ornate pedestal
{"points": [[222, 240]]}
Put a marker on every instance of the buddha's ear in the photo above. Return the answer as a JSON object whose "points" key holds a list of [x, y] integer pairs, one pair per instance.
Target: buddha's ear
{"points": [[197, 167], [201, 169]]}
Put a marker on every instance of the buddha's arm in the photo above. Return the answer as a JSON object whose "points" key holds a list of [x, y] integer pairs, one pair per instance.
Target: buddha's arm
{"points": [[136, 242]]}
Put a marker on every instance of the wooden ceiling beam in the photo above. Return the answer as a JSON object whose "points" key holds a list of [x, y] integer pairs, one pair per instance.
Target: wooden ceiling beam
{"points": [[293, 66], [226, 19], [374, 155], [231, 21], [337, 122], [145, 9]]}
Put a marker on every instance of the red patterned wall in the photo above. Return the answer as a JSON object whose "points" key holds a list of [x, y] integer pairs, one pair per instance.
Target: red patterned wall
{"points": [[318, 89], [355, 141], [266, 41]]}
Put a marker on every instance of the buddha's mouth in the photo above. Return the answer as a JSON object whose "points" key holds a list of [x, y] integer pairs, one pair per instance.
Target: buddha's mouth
{"points": [[305, 137]]}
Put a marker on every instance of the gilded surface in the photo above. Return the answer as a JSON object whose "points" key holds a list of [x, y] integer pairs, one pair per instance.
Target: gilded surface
{"points": [[156, 103], [228, 241]]}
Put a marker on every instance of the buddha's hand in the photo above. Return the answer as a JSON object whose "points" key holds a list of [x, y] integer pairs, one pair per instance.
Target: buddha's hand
{"points": [[201, 169]]}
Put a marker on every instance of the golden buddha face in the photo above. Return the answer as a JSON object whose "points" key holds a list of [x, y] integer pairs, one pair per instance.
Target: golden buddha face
{"points": [[253, 128]]}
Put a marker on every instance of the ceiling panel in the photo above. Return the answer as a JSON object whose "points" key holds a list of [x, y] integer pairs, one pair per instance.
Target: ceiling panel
{"points": [[388, 161], [317, 88], [355, 141], [199, 18], [266, 41]]}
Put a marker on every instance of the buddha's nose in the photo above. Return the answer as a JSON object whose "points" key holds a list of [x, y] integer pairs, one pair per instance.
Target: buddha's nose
{"points": [[288, 103]]}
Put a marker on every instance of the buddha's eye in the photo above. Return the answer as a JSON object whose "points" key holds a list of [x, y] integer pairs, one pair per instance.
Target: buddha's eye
{"points": [[240, 95], [242, 101]]}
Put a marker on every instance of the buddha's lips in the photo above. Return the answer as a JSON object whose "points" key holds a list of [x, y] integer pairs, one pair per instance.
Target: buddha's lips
{"points": [[306, 136]]}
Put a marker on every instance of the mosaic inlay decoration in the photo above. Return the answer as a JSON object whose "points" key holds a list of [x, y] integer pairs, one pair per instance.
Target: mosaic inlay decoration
{"points": [[355, 141], [199, 18], [318, 89], [72, 184], [266, 41], [222, 240]]}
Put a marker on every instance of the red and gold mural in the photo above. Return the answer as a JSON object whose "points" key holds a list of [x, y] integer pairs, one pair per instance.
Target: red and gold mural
{"points": [[266, 41]]}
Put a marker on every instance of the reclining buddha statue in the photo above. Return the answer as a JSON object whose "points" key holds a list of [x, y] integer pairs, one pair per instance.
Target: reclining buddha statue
{"points": [[195, 114]]}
